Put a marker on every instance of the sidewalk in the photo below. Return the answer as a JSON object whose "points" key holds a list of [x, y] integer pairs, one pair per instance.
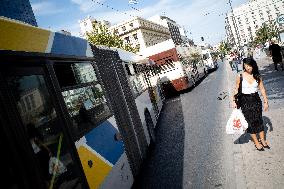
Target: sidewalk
{"points": [[256, 169]]}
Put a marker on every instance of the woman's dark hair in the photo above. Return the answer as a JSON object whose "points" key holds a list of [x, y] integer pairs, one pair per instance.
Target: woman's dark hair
{"points": [[253, 64]]}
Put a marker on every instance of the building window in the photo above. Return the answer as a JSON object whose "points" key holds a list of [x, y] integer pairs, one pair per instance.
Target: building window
{"points": [[127, 39], [123, 28], [135, 36], [131, 24]]}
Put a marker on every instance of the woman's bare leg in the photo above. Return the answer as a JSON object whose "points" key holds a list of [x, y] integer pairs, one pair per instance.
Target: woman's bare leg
{"points": [[261, 136], [254, 139]]}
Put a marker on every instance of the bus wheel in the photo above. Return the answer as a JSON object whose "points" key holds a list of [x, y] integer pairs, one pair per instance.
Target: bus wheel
{"points": [[150, 127]]}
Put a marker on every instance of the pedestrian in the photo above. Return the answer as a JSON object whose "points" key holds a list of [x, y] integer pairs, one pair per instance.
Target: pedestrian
{"points": [[249, 53], [231, 58], [250, 102], [275, 52], [232, 61], [236, 61]]}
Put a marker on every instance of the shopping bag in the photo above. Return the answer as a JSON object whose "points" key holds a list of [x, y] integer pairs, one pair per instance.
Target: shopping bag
{"points": [[237, 123]]}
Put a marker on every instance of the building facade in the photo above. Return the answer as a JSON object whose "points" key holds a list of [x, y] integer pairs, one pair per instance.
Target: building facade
{"points": [[89, 24], [140, 32], [173, 27], [249, 17], [18, 10]]}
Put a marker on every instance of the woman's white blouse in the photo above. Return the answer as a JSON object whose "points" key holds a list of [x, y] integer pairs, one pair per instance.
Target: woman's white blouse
{"points": [[248, 88]]}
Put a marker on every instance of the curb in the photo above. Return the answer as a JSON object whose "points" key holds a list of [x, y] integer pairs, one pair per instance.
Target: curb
{"points": [[241, 181]]}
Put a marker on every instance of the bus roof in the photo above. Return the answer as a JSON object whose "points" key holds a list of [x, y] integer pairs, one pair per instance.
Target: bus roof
{"points": [[130, 57]]}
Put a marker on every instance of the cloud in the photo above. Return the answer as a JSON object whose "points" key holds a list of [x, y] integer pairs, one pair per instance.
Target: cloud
{"points": [[189, 14], [199, 17], [87, 6], [45, 8]]}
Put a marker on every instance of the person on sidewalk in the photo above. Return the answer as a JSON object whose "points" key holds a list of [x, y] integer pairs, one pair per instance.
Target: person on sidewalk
{"points": [[231, 59], [275, 52], [251, 104]]}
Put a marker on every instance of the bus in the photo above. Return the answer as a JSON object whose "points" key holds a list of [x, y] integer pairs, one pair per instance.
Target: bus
{"points": [[210, 59], [178, 71], [70, 114]]}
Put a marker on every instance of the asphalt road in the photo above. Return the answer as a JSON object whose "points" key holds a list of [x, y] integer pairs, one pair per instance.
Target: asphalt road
{"points": [[192, 149]]}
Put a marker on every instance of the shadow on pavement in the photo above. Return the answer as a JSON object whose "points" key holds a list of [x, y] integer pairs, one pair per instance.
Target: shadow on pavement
{"points": [[163, 167], [245, 138], [267, 122], [273, 82]]}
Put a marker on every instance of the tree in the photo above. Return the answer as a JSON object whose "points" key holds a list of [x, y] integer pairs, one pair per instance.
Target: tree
{"points": [[101, 36], [195, 56], [224, 47], [265, 32]]}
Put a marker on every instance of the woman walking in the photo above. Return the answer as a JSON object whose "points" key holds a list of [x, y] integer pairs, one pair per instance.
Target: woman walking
{"points": [[250, 103]]}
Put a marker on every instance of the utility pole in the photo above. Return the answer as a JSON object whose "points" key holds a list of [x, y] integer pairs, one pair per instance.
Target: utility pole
{"points": [[235, 27]]}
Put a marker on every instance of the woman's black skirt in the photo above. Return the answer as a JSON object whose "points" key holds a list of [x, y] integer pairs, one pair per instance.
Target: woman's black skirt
{"points": [[252, 109]]}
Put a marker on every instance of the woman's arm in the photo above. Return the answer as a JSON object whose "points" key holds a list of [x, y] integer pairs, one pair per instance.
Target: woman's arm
{"points": [[263, 93], [235, 91]]}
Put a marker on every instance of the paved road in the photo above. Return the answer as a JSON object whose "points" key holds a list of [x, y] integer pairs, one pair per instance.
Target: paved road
{"points": [[192, 149]]}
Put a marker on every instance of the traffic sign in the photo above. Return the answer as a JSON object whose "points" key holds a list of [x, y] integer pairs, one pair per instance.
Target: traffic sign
{"points": [[280, 19]]}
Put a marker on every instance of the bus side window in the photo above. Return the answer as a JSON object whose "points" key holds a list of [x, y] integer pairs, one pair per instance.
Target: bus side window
{"points": [[85, 99]]}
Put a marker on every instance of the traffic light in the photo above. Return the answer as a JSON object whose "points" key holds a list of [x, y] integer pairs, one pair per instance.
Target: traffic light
{"points": [[202, 38]]}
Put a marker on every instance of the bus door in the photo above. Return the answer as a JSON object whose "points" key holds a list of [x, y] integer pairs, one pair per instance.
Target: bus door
{"points": [[33, 103], [12, 165]]}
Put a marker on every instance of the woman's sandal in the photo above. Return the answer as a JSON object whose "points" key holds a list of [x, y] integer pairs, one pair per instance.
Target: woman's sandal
{"points": [[259, 149], [266, 146]]}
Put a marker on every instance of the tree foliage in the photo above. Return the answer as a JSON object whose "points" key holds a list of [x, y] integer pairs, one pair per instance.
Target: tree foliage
{"points": [[224, 47], [101, 36], [196, 56], [265, 32]]}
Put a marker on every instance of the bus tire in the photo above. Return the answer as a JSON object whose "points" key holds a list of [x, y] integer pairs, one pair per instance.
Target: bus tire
{"points": [[150, 127]]}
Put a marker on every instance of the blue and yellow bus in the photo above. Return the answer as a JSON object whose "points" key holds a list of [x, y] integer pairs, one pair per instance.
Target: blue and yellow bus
{"points": [[72, 115]]}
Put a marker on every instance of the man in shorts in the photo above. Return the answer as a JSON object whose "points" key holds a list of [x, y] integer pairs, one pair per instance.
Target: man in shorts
{"points": [[275, 52]]}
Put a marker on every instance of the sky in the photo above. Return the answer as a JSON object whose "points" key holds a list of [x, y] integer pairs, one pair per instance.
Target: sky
{"points": [[200, 18]]}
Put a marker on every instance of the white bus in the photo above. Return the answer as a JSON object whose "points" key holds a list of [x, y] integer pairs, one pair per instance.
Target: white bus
{"points": [[209, 60], [70, 115]]}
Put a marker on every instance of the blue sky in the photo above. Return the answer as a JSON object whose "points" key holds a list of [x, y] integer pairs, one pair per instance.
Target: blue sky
{"points": [[199, 17]]}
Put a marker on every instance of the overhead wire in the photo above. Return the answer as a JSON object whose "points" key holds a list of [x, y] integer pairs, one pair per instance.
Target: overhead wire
{"points": [[109, 7]]}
